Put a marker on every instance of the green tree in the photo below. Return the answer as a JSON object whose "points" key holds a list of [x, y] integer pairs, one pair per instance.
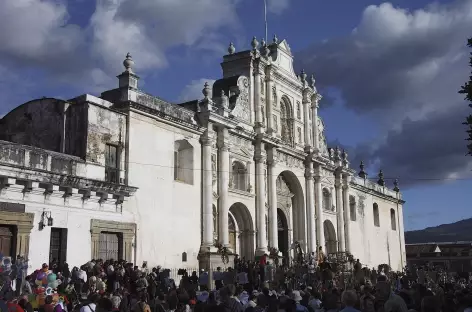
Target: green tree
{"points": [[467, 90]]}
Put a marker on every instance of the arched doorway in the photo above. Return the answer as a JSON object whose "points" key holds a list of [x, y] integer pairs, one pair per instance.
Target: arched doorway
{"points": [[330, 237], [282, 231], [240, 220], [290, 198]]}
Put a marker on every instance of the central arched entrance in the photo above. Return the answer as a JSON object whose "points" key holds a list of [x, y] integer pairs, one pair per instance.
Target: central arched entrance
{"points": [[241, 231], [282, 233], [330, 237], [291, 204]]}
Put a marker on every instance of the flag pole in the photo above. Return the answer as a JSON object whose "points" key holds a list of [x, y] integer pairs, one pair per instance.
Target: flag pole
{"points": [[265, 19]]}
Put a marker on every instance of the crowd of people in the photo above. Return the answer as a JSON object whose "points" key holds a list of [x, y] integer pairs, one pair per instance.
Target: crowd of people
{"points": [[249, 286]]}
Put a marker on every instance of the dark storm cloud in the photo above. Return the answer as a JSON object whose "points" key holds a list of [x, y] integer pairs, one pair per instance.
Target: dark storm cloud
{"points": [[404, 69]]}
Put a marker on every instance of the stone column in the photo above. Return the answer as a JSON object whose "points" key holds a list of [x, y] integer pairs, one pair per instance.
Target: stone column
{"points": [[269, 105], [207, 190], [261, 243], [257, 93], [128, 246], [306, 120], [314, 106], [272, 181], [319, 209], [347, 217], [339, 213], [223, 182], [310, 207], [95, 240], [23, 239]]}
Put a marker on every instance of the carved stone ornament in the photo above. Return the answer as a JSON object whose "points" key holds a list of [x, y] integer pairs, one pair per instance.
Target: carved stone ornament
{"points": [[241, 143], [241, 108], [274, 96], [323, 145], [290, 161]]}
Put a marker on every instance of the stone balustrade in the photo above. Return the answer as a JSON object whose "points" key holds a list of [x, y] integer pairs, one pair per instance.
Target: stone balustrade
{"points": [[32, 171], [374, 187]]}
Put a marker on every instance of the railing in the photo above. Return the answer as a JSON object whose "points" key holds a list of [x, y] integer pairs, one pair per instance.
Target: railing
{"points": [[174, 274]]}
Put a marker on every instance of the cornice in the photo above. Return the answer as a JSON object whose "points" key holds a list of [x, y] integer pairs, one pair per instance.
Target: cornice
{"points": [[370, 191]]}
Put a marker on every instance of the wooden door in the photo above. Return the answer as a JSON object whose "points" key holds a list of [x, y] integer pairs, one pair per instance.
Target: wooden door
{"points": [[109, 246], [6, 241]]}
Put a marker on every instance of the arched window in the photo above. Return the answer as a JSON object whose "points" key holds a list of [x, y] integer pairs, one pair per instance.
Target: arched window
{"points": [[183, 161], [184, 257], [327, 199], [376, 215], [352, 208], [239, 176], [286, 121], [392, 220]]}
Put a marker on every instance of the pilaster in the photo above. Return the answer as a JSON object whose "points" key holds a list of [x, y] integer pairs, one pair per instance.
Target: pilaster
{"points": [[319, 208], [310, 205], [269, 105], [316, 136], [223, 185], [339, 211], [272, 181], [206, 141], [260, 163], [306, 114], [347, 219]]}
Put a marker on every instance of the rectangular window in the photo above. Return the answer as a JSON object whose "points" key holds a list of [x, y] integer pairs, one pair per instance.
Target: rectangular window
{"points": [[112, 170], [58, 245]]}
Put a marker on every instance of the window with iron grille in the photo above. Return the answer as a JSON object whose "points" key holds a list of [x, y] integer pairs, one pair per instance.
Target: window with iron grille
{"points": [[58, 245], [112, 170]]}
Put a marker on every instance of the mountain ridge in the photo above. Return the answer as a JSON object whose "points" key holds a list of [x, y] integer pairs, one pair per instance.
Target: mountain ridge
{"points": [[450, 232]]}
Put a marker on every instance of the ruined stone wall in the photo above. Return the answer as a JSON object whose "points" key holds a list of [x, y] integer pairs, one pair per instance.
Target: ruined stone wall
{"points": [[76, 130], [38, 123], [105, 127]]}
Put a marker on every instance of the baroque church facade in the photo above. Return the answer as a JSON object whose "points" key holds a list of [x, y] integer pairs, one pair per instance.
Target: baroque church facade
{"points": [[128, 175]]}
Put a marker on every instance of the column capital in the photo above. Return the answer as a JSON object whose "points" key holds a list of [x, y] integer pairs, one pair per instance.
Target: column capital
{"points": [[259, 159]]}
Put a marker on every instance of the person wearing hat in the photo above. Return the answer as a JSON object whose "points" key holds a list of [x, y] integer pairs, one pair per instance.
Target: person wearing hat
{"points": [[297, 297]]}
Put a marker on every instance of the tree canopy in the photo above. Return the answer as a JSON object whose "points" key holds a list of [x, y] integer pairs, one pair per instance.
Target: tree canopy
{"points": [[467, 90]]}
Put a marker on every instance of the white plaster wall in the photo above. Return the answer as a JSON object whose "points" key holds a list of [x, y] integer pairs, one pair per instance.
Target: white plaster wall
{"points": [[75, 217], [168, 213]]}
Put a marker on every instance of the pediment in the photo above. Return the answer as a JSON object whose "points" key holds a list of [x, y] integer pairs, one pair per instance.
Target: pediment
{"points": [[283, 45]]}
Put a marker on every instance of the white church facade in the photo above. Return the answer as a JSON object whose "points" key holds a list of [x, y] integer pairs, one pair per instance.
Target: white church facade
{"points": [[128, 175]]}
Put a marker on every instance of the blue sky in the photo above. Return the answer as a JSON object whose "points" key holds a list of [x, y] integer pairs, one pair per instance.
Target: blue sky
{"points": [[390, 92]]}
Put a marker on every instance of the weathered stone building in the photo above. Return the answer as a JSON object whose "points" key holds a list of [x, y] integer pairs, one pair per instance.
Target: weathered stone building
{"points": [[129, 175]]}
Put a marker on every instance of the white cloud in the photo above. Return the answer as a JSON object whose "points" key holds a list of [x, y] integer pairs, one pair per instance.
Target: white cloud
{"points": [[404, 68], [193, 91], [147, 28], [277, 6], [35, 30]]}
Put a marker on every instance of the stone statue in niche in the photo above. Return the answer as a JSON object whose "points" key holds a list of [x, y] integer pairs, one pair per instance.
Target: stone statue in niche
{"points": [[263, 114], [262, 86], [274, 96], [275, 122], [213, 168], [299, 131], [241, 108], [299, 113]]}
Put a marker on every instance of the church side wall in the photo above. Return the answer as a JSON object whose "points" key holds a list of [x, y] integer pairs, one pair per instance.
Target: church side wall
{"points": [[375, 245], [168, 213]]}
